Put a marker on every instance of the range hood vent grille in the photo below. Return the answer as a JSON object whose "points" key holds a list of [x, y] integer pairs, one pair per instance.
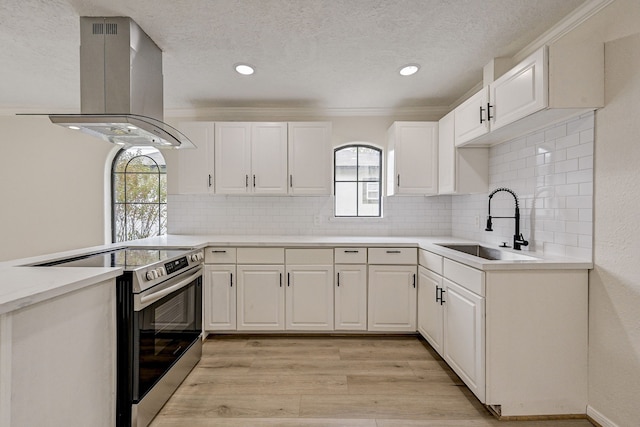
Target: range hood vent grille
{"points": [[98, 29]]}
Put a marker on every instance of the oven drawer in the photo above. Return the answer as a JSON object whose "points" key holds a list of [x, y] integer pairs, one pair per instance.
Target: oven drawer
{"points": [[220, 255]]}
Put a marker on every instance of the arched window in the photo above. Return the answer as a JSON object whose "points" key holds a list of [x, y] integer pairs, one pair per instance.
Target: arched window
{"points": [[358, 176], [139, 194]]}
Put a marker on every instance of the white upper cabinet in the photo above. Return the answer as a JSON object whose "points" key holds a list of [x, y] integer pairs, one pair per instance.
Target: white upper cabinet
{"points": [[460, 170], [196, 166], [520, 91], [269, 158], [310, 158], [412, 158], [471, 117], [251, 158], [552, 84], [233, 157]]}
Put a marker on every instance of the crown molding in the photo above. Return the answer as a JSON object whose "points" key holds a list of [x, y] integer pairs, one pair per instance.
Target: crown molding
{"points": [[304, 112]]}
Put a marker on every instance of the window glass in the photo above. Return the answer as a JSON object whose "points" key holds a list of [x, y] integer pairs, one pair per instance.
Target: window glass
{"points": [[358, 174], [139, 194]]}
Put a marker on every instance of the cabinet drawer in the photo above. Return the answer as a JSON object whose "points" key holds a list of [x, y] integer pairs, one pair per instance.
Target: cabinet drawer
{"points": [[430, 261], [260, 256], [220, 256], [309, 256], [386, 256], [351, 255], [467, 277]]}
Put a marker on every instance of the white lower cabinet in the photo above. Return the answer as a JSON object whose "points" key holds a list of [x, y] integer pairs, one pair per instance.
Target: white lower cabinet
{"points": [[260, 297], [392, 298], [430, 308], [219, 298], [351, 297], [464, 338], [309, 298], [309, 289]]}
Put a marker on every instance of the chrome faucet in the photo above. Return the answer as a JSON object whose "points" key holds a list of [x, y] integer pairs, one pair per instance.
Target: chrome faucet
{"points": [[518, 238]]}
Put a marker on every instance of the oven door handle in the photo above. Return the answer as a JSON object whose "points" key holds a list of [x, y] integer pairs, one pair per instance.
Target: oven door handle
{"points": [[147, 300]]}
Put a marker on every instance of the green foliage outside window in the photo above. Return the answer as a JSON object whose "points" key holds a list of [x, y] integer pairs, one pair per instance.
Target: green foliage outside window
{"points": [[139, 183]]}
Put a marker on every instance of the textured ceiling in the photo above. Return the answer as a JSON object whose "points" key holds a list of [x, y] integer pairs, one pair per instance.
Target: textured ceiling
{"points": [[307, 53]]}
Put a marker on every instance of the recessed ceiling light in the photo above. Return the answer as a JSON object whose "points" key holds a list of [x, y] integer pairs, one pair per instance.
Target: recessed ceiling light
{"points": [[409, 69], [74, 127], [244, 69]]}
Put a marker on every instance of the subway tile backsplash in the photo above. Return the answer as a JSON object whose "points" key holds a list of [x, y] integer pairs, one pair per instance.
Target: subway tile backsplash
{"points": [[272, 215], [551, 170]]}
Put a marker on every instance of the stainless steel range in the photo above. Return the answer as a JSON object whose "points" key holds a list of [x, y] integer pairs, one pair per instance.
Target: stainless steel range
{"points": [[159, 325]]}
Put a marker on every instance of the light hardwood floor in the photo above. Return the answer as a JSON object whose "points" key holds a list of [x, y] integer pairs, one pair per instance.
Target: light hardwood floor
{"points": [[327, 382]]}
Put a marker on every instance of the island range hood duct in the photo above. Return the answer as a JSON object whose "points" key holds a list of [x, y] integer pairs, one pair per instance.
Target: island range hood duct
{"points": [[121, 86]]}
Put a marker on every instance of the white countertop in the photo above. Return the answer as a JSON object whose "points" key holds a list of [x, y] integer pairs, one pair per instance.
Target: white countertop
{"points": [[22, 286]]}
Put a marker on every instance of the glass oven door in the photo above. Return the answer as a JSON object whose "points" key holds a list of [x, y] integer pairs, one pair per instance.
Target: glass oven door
{"points": [[167, 320]]}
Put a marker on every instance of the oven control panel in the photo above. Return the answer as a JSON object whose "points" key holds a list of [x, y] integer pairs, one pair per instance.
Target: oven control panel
{"points": [[177, 264]]}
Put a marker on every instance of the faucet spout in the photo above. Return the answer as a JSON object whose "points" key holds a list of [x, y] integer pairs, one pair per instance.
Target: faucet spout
{"points": [[518, 238]]}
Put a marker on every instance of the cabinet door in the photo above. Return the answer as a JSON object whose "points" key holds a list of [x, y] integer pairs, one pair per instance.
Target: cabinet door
{"points": [[351, 297], [195, 175], [260, 297], [430, 310], [269, 158], [219, 298], [464, 340], [413, 154], [309, 298], [392, 298], [471, 118], [523, 90], [232, 157], [310, 158]]}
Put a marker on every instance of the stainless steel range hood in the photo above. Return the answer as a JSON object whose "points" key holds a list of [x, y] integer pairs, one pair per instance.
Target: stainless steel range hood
{"points": [[121, 98]]}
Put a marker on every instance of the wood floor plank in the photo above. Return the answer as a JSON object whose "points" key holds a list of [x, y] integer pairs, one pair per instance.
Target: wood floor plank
{"points": [[487, 422], [296, 366], [438, 383], [259, 422], [188, 405], [282, 352], [387, 406], [227, 365], [384, 353], [207, 382]]}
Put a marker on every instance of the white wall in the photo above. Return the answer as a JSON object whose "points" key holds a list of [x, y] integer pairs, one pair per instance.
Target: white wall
{"points": [[614, 284], [52, 188]]}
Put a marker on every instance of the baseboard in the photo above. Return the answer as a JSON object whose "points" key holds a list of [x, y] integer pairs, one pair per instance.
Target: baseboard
{"points": [[598, 419]]}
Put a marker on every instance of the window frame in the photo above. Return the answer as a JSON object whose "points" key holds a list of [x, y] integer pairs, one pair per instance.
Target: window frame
{"points": [[114, 201], [358, 181]]}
